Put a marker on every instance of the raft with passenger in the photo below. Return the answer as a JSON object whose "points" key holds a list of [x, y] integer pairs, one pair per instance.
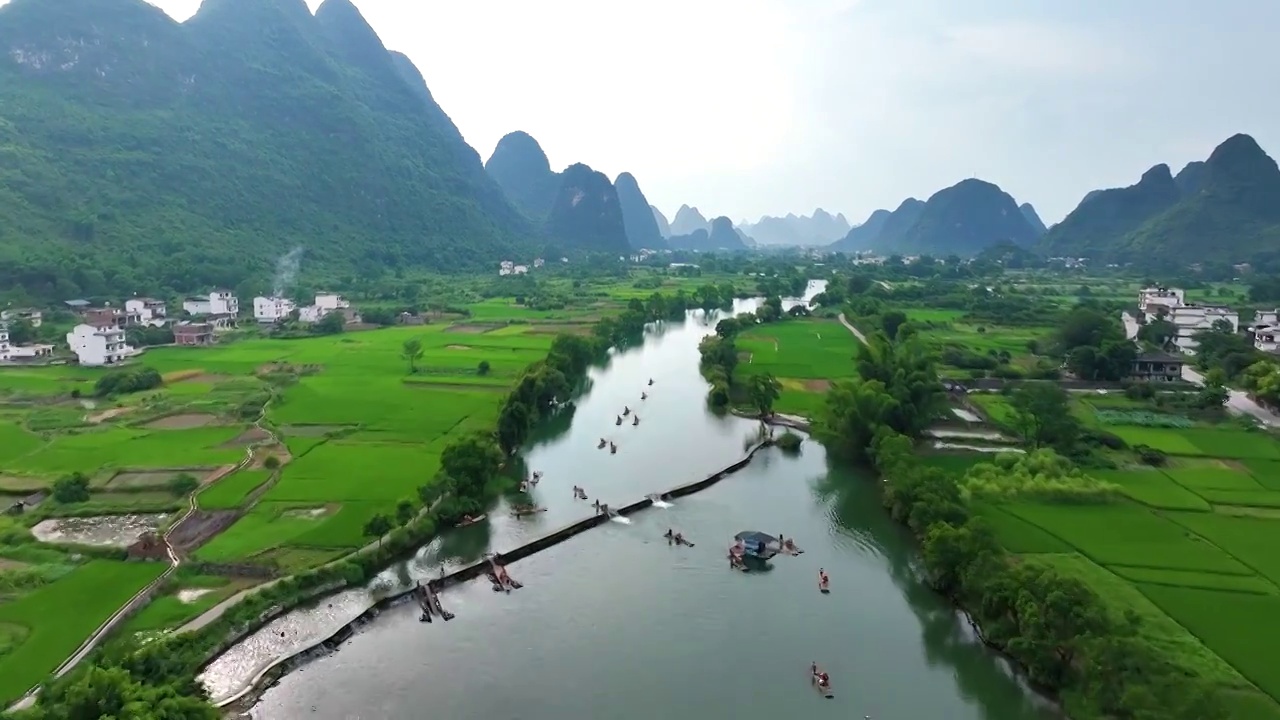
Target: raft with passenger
{"points": [[602, 443], [523, 510], [613, 449], [822, 683], [619, 420], [635, 421], [468, 520]]}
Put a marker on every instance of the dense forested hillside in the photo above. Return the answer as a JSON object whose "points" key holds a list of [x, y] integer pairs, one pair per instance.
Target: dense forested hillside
{"points": [[521, 169], [586, 213], [1223, 210], [138, 154], [637, 214]]}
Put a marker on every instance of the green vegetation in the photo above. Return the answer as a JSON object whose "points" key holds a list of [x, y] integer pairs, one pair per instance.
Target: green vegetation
{"points": [[1098, 599]]}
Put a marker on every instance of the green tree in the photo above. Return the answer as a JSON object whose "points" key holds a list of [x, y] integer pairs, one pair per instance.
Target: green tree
{"points": [[891, 321], [412, 353], [377, 527], [483, 368], [21, 332], [764, 390], [470, 463], [331, 324], [851, 414], [405, 511], [183, 484], [1042, 415], [71, 488]]}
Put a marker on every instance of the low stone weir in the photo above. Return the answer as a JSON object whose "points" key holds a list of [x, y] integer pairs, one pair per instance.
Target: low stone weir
{"points": [[277, 668]]}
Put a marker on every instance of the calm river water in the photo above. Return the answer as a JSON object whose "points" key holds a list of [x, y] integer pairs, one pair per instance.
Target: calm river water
{"points": [[616, 624]]}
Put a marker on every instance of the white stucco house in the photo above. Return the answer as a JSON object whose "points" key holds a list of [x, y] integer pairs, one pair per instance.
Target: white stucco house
{"points": [[10, 352], [99, 346], [325, 303], [217, 302], [31, 315], [271, 309], [1155, 301], [148, 311], [1191, 320]]}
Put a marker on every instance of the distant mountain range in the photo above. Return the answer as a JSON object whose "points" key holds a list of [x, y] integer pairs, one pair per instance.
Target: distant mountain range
{"points": [[1224, 209], [821, 228], [719, 234], [579, 208], [689, 220]]}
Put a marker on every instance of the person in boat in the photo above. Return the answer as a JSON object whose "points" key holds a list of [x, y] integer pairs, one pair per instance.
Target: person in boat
{"points": [[619, 420], [824, 680], [789, 545], [466, 520], [625, 411], [636, 420], [596, 505], [813, 668], [651, 381], [679, 540], [670, 536], [524, 486], [603, 442], [644, 396]]}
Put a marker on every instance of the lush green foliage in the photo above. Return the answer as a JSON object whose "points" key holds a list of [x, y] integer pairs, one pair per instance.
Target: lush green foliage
{"points": [[127, 381], [299, 132]]}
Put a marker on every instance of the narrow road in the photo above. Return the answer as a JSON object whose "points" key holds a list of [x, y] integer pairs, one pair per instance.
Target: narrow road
{"points": [[856, 332]]}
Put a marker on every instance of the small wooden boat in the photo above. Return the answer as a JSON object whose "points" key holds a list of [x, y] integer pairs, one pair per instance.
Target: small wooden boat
{"points": [[644, 396], [470, 521], [613, 449], [651, 381], [522, 510], [635, 421], [619, 421], [625, 411], [823, 587], [603, 442]]}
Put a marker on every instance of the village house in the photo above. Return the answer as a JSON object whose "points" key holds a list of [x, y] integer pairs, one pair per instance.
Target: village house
{"points": [[148, 311], [105, 317], [220, 322], [193, 334], [77, 306], [1156, 367], [217, 302], [95, 346], [1156, 301], [1191, 320], [1266, 338], [505, 267], [31, 315], [327, 303], [11, 353], [269, 310]]}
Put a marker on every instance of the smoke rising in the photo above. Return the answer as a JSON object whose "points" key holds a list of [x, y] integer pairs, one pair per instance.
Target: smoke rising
{"points": [[286, 271]]}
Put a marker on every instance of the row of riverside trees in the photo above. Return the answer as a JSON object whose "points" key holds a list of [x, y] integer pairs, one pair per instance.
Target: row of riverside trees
{"points": [[719, 359], [1054, 626], [157, 680]]}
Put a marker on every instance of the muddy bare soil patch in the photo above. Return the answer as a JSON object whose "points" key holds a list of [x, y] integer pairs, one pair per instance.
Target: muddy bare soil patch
{"points": [[129, 479], [103, 530], [260, 455], [457, 347], [105, 415], [817, 385], [248, 437], [471, 328], [185, 421], [7, 564], [199, 527]]}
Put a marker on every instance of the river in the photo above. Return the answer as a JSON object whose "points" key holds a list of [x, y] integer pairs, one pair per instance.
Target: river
{"points": [[617, 624]]}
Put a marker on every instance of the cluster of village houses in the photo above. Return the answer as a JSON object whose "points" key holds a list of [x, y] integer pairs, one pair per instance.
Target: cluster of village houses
{"points": [[98, 337], [1189, 320]]}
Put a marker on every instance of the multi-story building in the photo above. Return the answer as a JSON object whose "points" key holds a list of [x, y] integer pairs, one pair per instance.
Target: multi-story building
{"points": [[1156, 301], [148, 311], [1191, 320], [217, 302], [271, 309], [99, 345]]}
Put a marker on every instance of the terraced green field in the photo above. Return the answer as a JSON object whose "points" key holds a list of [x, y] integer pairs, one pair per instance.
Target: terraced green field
{"points": [[805, 354]]}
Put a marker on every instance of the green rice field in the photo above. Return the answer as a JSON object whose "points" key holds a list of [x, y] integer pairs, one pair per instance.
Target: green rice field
{"points": [[1192, 551], [805, 354], [59, 617]]}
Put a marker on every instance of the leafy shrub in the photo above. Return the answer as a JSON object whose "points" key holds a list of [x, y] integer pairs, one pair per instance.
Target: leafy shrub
{"points": [[1141, 418], [271, 462], [73, 488], [127, 381], [789, 442], [183, 484]]}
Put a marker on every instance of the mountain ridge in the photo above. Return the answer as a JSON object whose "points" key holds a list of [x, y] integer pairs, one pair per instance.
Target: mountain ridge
{"points": [[819, 228]]}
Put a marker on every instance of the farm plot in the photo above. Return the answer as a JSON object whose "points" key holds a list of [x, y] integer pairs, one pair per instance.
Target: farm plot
{"points": [[267, 526], [1251, 540], [1018, 535], [1266, 472], [341, 471], [1153, 489], [1158, 628], [800, 348], [230, 491], [1204, 442], [1126, 534], [59, 616], [119, 448], [16, 442], [1212, 478], [1239, 627], [1189, 578]]}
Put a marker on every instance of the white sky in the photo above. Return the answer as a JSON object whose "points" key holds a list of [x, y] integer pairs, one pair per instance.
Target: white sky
{"points": [[750, 107]]}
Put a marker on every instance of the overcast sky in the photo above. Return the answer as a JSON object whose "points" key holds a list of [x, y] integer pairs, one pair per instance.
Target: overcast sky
{"points": [[751, 107]]}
